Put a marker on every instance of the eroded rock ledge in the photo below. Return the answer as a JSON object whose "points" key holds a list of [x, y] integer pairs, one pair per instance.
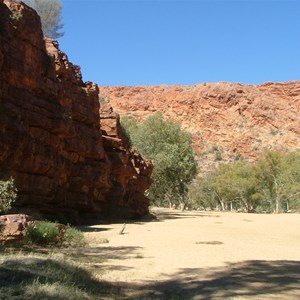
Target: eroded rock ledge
{"points": [[66, 163]]}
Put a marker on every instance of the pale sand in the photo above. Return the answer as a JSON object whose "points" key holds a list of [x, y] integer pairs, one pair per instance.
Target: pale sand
{"points": [[203, 255]]}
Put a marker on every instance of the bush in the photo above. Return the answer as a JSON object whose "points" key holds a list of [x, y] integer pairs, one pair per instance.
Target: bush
{"points": [[16, 15], [47, 233], [42, 233], [73, 237], [8, 194]]}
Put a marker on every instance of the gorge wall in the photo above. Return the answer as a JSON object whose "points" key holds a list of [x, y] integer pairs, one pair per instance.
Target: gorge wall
{"points": [[227, 120], [69, 162]]}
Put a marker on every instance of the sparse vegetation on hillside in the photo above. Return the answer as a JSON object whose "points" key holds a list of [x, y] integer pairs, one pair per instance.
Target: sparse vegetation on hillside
{"points": [[162, 141], [271, 184]]}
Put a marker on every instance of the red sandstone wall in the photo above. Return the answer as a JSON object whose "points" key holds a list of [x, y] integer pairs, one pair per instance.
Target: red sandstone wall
{"points": [[50, 137]]}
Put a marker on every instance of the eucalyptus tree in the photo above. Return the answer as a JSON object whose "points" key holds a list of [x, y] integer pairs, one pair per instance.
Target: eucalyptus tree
{"points": [[50, 14], [170, 148]]}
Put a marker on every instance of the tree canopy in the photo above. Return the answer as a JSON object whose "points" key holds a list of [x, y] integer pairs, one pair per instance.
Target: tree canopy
{"points": [[162, 141], [270, 184], [50, 14]]}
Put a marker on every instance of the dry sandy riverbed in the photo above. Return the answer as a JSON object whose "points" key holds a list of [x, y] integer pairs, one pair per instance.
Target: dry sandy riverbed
{"points": [[202, 255]]}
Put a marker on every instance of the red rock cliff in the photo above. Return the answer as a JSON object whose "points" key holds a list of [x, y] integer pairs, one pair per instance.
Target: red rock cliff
{"points": [[226, 120], [50, 136]]}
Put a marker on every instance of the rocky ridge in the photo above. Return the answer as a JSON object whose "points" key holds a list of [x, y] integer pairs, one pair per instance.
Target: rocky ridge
{"points": [[69, 162], [227, 120]]}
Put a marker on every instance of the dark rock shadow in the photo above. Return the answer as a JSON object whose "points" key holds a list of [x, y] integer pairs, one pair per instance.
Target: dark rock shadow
{"points": [[87, 228], [169, 214], [157, 215]]}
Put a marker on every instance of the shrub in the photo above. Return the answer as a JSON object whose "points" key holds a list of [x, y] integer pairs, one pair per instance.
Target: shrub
{"points": [[218, 156], [42, 233], [47, 233], [73, 237], [16, 15], [8, 194]]}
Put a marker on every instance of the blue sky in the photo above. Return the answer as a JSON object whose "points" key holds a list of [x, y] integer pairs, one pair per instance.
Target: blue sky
{"points": [[144, 42]]}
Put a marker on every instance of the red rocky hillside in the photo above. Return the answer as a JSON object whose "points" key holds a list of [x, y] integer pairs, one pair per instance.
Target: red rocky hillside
{"points": [[226, 120]]}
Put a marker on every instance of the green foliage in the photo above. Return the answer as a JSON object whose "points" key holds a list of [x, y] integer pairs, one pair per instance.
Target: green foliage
{"points": [[218, 156], [129, 127], [48, 233], [231, 186], [274, 132], [271, 184], [214, 148], [73, 237], [50, 14], [102, 100], [279, 176], [8, 194], [42, 233], [16, 15], [162, 141]]}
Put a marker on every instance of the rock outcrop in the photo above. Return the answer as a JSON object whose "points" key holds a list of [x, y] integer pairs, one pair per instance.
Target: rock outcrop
{"points": [[130, 173], [12, 228], [227, 120], [50, 133]]}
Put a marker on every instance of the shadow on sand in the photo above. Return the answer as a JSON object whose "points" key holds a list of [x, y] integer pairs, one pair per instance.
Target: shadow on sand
{"points": [[162, 214], [246, 280], [155, 215], [253, 279]]}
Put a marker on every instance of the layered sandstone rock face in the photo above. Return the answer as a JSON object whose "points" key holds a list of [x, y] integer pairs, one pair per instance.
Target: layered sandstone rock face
{"points": [[227, 120], [50, 134], [124, 163]]}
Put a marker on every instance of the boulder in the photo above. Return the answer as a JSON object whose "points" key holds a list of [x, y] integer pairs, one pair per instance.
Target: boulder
{"points": [[12, 228]]}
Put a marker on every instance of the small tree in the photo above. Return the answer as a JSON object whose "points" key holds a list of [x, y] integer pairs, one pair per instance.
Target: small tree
{"points": [[269, 171], [291, 180], [280, 174], [8, 194], [162, 141], [50, 14]]}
